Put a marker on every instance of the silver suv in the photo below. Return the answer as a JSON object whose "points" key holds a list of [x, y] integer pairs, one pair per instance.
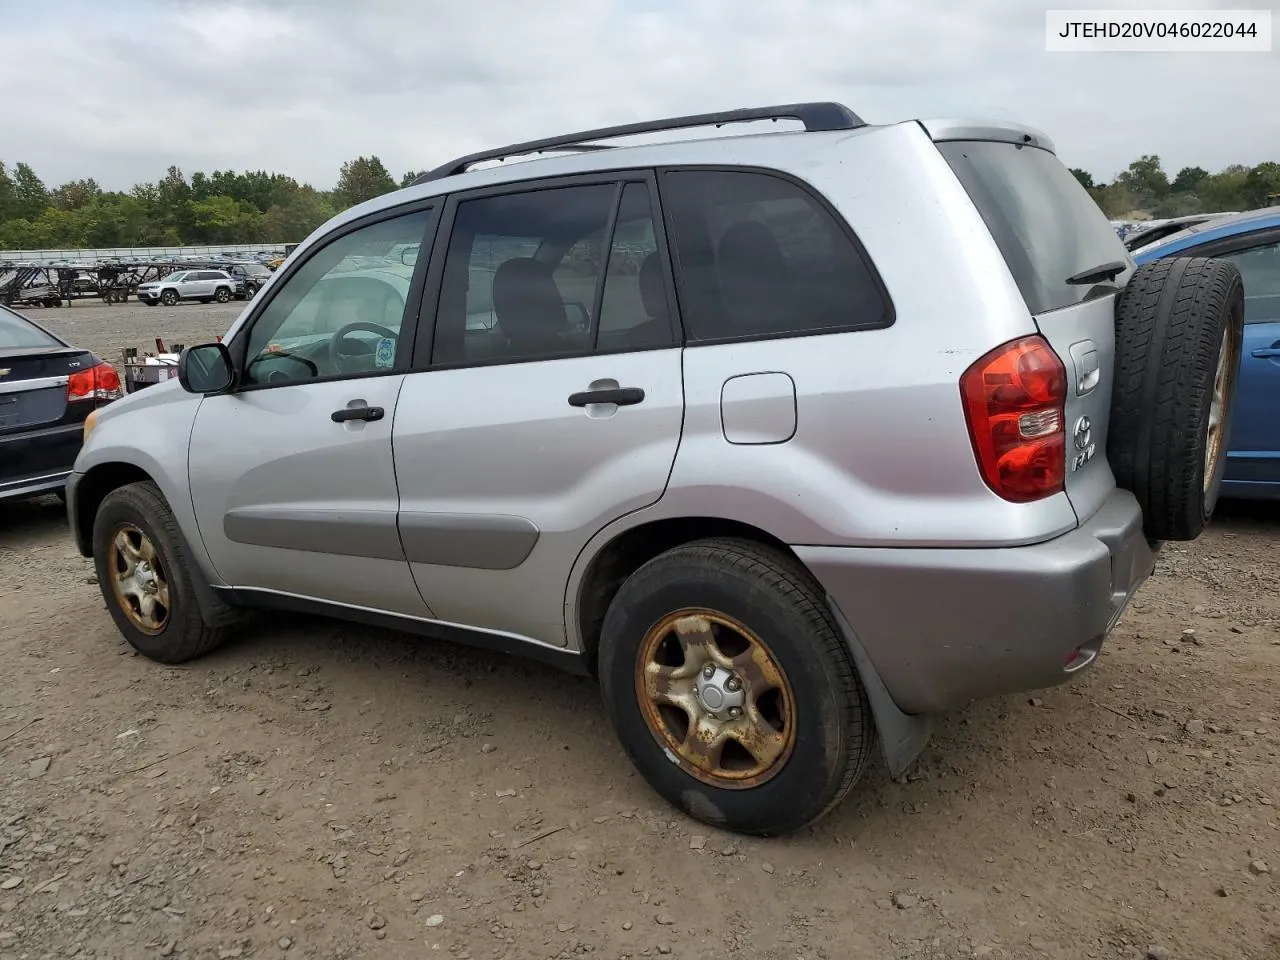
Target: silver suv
{"points": [[790, 438], [203, 285]]}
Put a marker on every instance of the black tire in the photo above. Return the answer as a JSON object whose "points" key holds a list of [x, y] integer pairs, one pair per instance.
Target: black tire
{"points": [[185, 634], [776, 598], [169, 298], [222, 295], [1175, 320]]}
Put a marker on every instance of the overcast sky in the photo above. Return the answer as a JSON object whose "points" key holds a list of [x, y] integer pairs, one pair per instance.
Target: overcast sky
{"points": [[299, 86]]}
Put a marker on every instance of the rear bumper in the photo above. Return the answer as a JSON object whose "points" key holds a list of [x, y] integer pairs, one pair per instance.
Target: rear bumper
{"points": [[38, 461], [945, 626]]}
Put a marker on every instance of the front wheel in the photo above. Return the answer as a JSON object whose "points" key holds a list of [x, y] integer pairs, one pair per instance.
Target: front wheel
{"points": [[169, 298], [731, 688], [145, 577]]}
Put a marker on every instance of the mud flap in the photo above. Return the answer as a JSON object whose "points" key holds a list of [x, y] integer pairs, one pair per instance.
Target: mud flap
{"points": [[902, 736]]}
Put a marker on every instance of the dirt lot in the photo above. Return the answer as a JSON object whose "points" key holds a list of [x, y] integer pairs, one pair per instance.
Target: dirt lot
{"points": [[320, 790]]}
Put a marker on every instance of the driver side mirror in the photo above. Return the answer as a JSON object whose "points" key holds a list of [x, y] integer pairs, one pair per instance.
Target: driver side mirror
{"points": [[206, 369]]}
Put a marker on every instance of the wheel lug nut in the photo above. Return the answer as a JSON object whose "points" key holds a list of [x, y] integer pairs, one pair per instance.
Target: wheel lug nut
{"points": [[735, 713], [709, 670], [733, 684]]}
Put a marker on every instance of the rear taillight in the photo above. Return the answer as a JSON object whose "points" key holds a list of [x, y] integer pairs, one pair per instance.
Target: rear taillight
{"points": [[1013, 401], [99, 382]]}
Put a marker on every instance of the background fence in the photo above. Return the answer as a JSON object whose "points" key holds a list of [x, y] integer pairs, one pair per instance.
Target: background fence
{"points": [[141, 253]]}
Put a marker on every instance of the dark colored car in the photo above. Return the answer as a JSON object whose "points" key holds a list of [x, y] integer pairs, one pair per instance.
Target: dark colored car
{"points": [[47, 389], [251, 276]]}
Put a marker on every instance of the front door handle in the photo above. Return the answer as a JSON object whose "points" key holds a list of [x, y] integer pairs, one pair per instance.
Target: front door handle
{"points": [[622, 396], [1267, 353], [361, 412]]}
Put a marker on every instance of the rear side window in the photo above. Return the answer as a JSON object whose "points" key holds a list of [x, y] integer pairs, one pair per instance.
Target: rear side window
{"points": [[1046, 225], [757, 256], [1260, 271], [17, 334]]}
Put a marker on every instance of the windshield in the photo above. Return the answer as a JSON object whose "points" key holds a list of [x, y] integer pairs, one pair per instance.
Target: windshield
{"points": [[256, 270], [1046, 225], [18, 334], [175, 276]]}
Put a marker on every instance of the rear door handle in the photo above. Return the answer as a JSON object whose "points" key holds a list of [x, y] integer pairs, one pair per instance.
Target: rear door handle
{"points": [[361, 412], [622, 396], [1267, 353]]}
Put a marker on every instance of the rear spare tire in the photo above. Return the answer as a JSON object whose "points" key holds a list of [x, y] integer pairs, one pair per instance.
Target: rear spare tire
{"points": [[1179, 330]]}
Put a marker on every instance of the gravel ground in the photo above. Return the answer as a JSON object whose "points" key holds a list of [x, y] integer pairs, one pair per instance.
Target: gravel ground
{"points": [[321, 790]]}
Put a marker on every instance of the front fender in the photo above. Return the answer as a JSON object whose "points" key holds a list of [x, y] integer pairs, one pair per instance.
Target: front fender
{"points": [[147, 432]]}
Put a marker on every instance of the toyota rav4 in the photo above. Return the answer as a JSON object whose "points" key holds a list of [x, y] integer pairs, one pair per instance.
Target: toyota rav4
{"points": [[790, 438]]}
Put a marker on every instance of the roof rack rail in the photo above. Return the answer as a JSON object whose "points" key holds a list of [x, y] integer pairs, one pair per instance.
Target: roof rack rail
{"points": [[814, 116]]}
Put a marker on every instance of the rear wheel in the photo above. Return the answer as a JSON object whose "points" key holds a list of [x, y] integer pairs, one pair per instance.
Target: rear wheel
{"points": [[145, 577], [731, 688], [1179, 335], [222, 295]]}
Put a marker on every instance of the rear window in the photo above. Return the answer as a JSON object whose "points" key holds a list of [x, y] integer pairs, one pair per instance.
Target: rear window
{"points": [[17, 334], [1046, 225]]}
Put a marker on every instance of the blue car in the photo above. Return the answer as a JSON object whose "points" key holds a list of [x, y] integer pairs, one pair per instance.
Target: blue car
{"points": [[1252, 242]]}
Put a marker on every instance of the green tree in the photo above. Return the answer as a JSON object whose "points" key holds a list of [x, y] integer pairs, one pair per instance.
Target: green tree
{"points": [[408, 178], [76, 194], [6, 194], [1188, 179], [1225, 190], [362, 179], [294, 219], [1262, 185], [1145, 178], [1084, 176], [30, 198]]}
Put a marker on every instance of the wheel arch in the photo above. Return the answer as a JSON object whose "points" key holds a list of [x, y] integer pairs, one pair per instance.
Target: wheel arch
{"points": [[624, 552], [92, 488], [98, 482], [602, 570]]}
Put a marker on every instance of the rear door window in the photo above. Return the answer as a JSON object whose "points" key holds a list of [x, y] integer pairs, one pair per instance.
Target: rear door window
{"points": [[758, 256], [1046, 225], [1260, 270]]}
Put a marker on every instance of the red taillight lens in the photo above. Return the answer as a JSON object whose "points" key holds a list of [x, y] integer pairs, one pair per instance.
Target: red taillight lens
{"points": [[1013, 401], [99, 382]]}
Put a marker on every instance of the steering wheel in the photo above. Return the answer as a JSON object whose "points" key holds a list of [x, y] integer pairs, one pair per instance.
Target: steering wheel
{"points": [[340, 359]]}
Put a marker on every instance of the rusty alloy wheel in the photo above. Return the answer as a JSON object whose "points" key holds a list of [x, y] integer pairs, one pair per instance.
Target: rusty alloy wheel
{"points": [[715, 698], [138, 580]]}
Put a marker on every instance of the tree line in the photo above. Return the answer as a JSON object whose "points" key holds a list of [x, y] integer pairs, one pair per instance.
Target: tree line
{"points": [[1145, 188], [219, 207], [260, 207]]}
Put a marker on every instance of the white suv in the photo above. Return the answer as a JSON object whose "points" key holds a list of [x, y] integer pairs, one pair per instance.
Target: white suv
{"points": [[203, 285], [788, 438]]}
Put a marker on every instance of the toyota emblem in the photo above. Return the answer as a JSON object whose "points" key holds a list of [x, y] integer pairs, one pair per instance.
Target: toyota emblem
{"points": [[1083, 433]]}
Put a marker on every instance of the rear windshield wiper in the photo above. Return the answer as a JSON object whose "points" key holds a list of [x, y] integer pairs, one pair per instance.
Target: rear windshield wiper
{"points": [[1107, 271]]}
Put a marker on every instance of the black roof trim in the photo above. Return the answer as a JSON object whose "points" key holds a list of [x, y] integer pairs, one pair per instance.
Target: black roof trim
{"points": [[814, 116]]}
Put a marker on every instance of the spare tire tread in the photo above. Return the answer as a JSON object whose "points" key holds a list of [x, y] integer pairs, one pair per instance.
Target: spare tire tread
{"points": [[1169, 327]]}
